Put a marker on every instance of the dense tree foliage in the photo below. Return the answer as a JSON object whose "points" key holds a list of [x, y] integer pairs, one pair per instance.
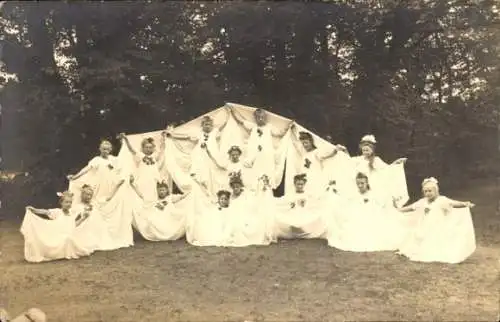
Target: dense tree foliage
{"points": [[419, 74]]}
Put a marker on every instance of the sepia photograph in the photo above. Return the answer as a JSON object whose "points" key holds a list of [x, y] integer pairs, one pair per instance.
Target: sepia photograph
{"points": [[250, 161]]}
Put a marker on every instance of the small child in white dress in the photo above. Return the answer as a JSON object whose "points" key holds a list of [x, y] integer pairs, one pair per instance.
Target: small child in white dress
{"points": [[49, 233], [445, 231], [162, 219]]}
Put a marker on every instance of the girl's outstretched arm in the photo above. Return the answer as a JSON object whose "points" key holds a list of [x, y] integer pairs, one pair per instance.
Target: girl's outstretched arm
{"points": [[179, 197], [280, 134], [44, 213], [81, 173], [461, 204], [220, 166], [115, 189], [239, 119], [135, 188], [124, 138], [227, 119]]}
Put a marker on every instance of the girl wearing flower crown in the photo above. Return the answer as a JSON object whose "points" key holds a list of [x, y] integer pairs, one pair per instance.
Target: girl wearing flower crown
{"points": [[148, 164], [49, 233], [445, 231], [204, 153], [384, 178], [163, 219], [260, 148], [102, 173]]}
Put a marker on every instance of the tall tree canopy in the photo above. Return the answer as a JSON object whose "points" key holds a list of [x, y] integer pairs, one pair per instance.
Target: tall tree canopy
{"points": [[419, 74]]}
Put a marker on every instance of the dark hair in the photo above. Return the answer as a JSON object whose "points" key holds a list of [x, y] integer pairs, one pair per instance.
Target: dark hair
{"points": [[361, 176], [207, 118], [221, 193], [86, 186], [300, 177], [235, 178], [306, 136], [149, 140], [161, 184], [234, 148]]}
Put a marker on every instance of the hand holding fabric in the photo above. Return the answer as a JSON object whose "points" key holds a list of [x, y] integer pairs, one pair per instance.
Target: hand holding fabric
{"points": [[400, 161]]}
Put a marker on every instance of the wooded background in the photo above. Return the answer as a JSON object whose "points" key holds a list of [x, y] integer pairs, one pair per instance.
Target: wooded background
{"points": [[422, 76]]}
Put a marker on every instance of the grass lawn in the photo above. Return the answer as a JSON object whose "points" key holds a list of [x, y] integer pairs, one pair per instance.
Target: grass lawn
{"points": [[302, 280]]}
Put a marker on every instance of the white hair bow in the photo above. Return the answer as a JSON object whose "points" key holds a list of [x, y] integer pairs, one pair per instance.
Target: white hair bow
{"points": [[430, 180], [369, 138]]}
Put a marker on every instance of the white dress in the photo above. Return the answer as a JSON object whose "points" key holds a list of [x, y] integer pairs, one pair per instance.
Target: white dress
{"points": [[93, 231], [301, 215], [261, 152], [443, 234], [160, 220], [147, 175], [366, 223], [103, 177], [386, 180], [246, 225], [202, 165], [206, 221], [312, 166], [51, 239]]}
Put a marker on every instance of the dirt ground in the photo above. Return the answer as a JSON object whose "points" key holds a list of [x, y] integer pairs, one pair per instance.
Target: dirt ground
{"points": [[290, 281]]}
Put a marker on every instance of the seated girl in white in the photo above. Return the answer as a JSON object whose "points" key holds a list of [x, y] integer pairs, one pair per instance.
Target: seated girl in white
{"points": [[301, 214], [312, 159], [103, 174], [209, 228], [162, 219], [148, 163], [384, 178], [202, 166], [366, 222], [49, 234], [247, 224], [93, 231], [445, 231], [260, 148]]}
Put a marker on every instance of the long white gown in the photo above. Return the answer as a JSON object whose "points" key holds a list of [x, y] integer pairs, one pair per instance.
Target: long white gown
{"points": [[206, 220], [301, 215], [367, 223], [103, 177], [202, 165], [52, 239], [261, 153], [312, 166], [147, 175], [93, 231], [161, 220], [246, 224], [385, 179], [443, 234]]}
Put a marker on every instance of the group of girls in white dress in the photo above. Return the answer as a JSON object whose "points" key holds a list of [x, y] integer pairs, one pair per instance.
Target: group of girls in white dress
{"points": [[243, 211]]}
